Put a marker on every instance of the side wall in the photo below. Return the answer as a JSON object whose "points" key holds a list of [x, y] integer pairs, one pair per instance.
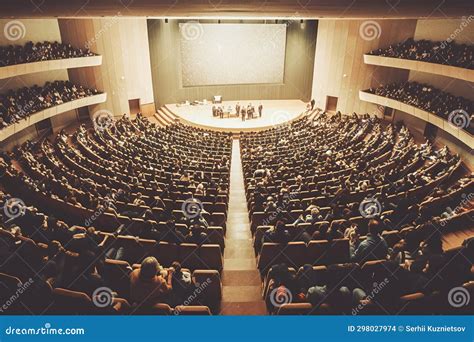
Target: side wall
{"points": [[125, 71], [339, 69]]}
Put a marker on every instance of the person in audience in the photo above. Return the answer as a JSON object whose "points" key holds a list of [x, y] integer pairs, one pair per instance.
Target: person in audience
{"points": [[150, 284], [374, 247], [277, 234], [181, 284]]}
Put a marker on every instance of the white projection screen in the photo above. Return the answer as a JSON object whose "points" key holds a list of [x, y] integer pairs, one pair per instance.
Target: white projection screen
{"points": [[219, 54]]}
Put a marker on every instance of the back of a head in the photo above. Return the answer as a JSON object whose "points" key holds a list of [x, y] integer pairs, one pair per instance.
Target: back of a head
{"points": [[375, 227], [149, 268]]}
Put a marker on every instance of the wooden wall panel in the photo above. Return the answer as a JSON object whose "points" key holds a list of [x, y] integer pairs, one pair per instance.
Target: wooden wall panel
{"points": [[461, 31], [339, 68], [125, 70], [165, 61]]}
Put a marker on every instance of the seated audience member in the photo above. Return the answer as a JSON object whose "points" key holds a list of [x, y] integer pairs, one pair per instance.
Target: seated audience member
{"points": [[313, 217], [148, 285], [373, 247], [181, 283], [277, 234]]}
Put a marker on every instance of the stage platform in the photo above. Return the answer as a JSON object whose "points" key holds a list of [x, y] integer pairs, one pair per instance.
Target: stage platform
{"points": [[275, 112]]}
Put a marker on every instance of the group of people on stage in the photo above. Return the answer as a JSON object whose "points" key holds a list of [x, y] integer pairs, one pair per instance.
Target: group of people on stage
{"points": [[246, 113]]}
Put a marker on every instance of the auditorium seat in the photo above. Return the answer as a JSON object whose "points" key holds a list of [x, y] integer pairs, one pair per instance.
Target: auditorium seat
{"points": [[166, 253], [160, 309], [209, 281], [337, 252], [414, 304], [294, 254], [189, 256], [294, 309], [195, 310], [116, 272], [210, 257], [67, 302], [269, 256]]}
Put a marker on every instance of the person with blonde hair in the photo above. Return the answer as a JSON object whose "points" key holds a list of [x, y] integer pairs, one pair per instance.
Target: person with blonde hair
{"points": [[148, 285]]}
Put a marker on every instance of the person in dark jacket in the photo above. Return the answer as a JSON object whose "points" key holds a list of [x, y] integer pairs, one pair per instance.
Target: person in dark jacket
{"points": [[374, 247]]}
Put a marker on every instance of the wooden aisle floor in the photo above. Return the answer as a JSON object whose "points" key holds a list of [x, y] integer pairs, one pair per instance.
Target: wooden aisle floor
{"points": [[241, 278]]}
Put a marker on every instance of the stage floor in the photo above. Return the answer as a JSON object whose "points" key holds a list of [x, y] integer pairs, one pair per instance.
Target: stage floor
{"points": [[275, 112]]}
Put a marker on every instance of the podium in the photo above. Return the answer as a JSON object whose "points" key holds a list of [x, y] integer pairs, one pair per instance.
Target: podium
{"points": [[217, 99]]}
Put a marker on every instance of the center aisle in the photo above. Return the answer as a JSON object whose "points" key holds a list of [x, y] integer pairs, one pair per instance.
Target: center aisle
{"points": [[240, 278]]}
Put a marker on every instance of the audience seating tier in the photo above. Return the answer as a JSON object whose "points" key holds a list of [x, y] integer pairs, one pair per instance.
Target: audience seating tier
{"points": [[49, 65], [421, 66], [50, 112], [434, 119]]}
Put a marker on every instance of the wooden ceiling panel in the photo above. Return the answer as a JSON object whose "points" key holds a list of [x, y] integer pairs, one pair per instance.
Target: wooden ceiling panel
{"points": [[238, 8]]}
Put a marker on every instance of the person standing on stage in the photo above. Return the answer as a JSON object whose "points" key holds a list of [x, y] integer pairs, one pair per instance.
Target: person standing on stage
{"points": [[237, 109], [221, 112], [243, 112], [214, 109], [260, 109], [312, 104]]}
